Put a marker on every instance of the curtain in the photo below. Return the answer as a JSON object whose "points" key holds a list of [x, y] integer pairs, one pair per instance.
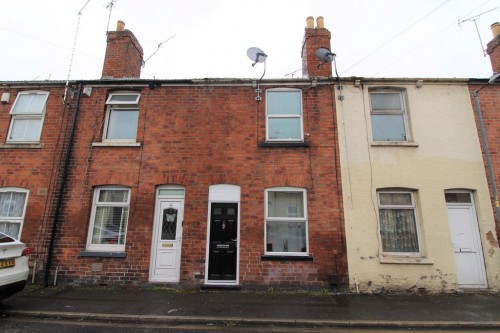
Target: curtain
{"points": [[110, 223], [12, 204], [398, 230]]}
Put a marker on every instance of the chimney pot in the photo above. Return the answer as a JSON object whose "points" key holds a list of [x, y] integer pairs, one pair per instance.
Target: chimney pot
{"points": [[495, 29], [120, 25], [320, 24], [310, 22]]}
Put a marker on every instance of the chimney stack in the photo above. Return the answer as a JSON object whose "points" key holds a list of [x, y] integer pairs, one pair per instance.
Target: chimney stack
{"points": [[493, 48], [124, 54], [315, 38]]}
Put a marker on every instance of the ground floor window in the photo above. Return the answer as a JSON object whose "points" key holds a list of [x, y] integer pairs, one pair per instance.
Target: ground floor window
{"points": [[12, 210], [108, 225], [286, 221], [398, 222]]}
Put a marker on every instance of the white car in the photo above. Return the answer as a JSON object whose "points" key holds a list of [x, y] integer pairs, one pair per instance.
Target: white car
{"points": [[14, 267]]}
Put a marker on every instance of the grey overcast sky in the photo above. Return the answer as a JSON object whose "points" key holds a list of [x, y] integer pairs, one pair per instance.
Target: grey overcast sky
{"points": [[209, 38]]}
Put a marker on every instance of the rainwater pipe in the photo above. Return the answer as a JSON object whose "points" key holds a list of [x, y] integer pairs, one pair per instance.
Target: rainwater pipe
{"points": [[491, 174], [64, 177]]}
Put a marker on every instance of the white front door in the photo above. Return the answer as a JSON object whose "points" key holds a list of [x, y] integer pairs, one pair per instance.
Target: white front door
{"points": [[466, 241], [167, 241]]}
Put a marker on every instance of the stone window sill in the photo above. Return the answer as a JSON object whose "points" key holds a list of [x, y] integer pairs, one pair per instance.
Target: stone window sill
{"points": [[272, 144], [393, 144], [116, 144], [102, 254], [21, 146], [268, 257], [406, 260]]}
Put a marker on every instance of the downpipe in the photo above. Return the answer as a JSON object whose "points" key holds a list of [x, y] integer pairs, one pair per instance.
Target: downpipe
{"points": [[60, 196]]}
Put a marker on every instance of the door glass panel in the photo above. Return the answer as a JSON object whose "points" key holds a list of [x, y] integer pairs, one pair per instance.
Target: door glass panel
{"points": [[217, 211], [169, 224], [231, 211], [457, 197], [172, 191]]}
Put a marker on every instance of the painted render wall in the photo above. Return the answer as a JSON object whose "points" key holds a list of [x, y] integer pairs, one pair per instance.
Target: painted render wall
{"points": [[446, 155]]}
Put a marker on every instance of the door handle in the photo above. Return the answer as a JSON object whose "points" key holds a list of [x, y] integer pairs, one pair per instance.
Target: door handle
{"points": [[234, 240], [465, 250]]}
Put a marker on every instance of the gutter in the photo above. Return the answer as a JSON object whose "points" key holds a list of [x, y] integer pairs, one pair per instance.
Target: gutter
{"points": [[61, 190]]}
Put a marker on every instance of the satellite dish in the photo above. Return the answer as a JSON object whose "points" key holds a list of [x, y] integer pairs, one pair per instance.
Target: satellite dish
{"points": [[325, 55], [256, 55]]}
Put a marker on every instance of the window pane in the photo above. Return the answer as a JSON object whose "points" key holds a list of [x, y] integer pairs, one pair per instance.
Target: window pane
{"points": [[117, 99], [110, 225], [285, 204], [398, 230], [395, 199], [286, 237], [172, 191], [388, 127], [457, 197], [30, 103], [283, 102], [11, 229], [113, 196], [25, 129], [284, 128], [12, 204], [169, 224], [122, 124], [386, 101]]}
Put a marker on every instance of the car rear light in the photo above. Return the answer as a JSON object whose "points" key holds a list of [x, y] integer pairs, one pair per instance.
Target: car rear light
{"points": [[26, 252]]}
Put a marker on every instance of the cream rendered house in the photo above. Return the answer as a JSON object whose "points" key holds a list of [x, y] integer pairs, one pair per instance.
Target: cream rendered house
{"points": [[417, 210]]}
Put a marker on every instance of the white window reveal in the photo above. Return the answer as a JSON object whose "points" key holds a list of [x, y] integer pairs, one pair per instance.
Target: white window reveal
{"points": [[108, 225], [12, 210], [284, 115], [27, 117], [286, 221], [122, 117], [388, 116], [398, 222]]}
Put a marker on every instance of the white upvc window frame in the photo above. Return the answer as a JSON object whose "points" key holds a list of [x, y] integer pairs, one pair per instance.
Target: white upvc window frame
{"points": [[17, 115], [412, 206], [270, 116], [403, 112], [286, 219], [14, 219], [115, 105], [95, 204]]}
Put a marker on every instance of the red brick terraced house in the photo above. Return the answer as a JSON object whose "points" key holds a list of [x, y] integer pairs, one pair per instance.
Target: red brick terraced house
{"points": [[212, 182], [485, 96]]}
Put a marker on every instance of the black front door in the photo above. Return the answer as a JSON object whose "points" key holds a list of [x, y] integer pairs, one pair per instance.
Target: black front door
{"points": [[222, 257]]}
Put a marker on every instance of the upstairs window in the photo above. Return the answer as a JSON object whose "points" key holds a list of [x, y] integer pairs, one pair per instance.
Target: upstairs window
{"points": [[108, 226], [27, 117], [284, 115], [388, 116], [286, 221], [12, 210], [122, 117], [398, 222]]}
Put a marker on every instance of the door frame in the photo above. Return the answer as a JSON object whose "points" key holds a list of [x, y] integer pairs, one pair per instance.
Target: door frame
{"points": [[223, 193], [476, 235], [159, 198]]}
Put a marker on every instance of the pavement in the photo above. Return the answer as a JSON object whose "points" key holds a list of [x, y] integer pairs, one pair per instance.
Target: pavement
{"points": [[246, 308]]}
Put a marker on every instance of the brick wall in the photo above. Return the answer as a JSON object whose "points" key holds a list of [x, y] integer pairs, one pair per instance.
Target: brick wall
{"points": [[197, 136], [36, 167]]}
